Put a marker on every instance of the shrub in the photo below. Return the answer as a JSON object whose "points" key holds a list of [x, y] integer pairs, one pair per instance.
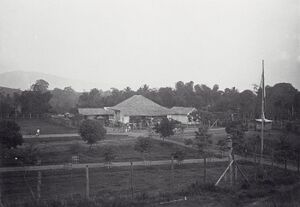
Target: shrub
{"points": [[188, 141], [179, 155], [10, 136], [109, 155], [92, 131]]}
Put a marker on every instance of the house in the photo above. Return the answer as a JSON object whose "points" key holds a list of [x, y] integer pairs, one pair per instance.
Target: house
{"points": [[97, 113], [139, 110], [267, 124], [181, 114]]}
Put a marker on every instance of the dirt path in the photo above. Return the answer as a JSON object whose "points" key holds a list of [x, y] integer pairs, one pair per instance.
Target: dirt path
{"points": [[101, 165]]}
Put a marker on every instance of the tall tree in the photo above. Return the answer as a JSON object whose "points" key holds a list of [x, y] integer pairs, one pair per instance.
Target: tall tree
{"points": [[10, 136], [165, 128], [202, 141]]}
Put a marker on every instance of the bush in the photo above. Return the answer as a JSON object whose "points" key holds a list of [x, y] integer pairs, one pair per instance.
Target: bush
{"points": [[179, 155], [10, 136], [188, 141], [109, 155], [92, 131]]}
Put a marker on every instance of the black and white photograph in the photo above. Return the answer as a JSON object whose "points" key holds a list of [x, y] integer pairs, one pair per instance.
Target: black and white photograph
{"points": [[149, 103]]}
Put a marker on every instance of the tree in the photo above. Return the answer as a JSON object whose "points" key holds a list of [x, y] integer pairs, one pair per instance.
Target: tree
{"points": [[40, 85], [202, 142], [63, 101], [143, 145], [283, 150], [10, 136], [109, 155], [37, 99], [179, 155], [165, 128], [236, 131], [92, 131]]}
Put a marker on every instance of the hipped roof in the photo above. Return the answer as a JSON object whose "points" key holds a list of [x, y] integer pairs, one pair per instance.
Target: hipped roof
{"points": [[94, 111], [138, 105]]}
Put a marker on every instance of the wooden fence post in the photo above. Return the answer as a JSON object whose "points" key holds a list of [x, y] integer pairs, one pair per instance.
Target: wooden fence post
{"points": [[39, 183], [298, 162], [272, 159], [131, 179], [235, 172], [172, 173], [204, 172], [87, 182]]}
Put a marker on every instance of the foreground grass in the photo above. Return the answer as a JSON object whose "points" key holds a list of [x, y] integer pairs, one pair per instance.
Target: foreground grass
{"points": [[60, 152], [153, 185]]}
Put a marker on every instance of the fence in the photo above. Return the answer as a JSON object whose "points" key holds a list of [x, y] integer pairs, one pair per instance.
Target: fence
{"points": [[139, 182]]}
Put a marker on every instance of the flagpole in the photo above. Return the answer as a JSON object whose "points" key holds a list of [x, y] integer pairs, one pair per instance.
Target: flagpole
{"points": [[262, 112]]}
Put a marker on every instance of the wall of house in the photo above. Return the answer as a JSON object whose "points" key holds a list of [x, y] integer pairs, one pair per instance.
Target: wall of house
{"points": [[182, 118], [124, 119]]}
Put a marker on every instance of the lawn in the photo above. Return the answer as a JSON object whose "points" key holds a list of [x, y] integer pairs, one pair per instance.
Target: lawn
{"points": [[148, 181], [103, 182], [60, 152], [29, 127]]}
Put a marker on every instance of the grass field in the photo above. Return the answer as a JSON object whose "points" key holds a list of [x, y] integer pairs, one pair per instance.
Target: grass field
{"points": [[103, 182], [29, 127], [149, 181], [60, 152]]}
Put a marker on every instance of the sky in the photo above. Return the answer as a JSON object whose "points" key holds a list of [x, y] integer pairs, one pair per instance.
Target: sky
{"points": [[119, 43]]}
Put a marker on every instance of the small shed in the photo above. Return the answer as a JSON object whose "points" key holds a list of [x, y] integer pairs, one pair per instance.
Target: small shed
{"points": [[97, 113], [181, 114]]}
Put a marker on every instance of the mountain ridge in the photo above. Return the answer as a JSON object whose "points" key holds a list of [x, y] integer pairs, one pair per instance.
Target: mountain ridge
{"points": [[24, 79]]}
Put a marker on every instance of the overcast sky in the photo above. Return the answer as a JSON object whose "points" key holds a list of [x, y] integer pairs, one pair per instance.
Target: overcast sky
{"points": [[119, 43]]}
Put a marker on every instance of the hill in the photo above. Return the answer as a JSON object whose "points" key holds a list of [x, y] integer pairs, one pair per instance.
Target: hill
{"points": [[23, 80]]}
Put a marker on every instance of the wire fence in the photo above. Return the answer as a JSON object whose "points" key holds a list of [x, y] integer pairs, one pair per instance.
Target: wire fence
{"points": [[138, 182]]}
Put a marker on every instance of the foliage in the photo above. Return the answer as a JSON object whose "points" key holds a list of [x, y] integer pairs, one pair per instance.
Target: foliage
{"points": [[179, 155], [92, 131], [30, 155], [109, 154], [236, 131], [188, 141], [282, 99], [165, 128], [34, 101], [10, 136], [63, 101], [21, 156], [283, 149], [202, 139], [40, 86], [143, 145]]}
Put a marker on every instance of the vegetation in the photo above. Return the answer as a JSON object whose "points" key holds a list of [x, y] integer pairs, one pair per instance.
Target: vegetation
{"points": [[165, 128], [109, 155], [143, 145], [179, 155], [92, 131], [36, 100], [202, 142], [10, 136]]}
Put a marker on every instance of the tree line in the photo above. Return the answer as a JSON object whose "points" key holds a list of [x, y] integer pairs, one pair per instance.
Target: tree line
{"points": [[282, 99]]}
